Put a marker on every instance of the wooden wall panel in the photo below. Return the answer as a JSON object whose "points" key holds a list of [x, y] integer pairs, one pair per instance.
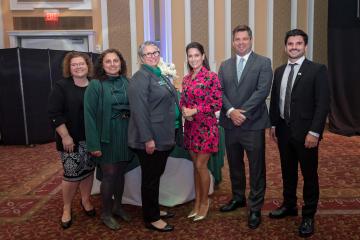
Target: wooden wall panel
{"points": [[119, 28], [282, 24], [320, 31], [199, 23]]}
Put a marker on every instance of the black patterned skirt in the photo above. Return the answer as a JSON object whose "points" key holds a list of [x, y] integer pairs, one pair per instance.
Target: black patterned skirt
{"points": [[77, 165]]}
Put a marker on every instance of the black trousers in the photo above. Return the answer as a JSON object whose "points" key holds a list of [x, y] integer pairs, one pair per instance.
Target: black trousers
{"points": [[293, 152], [152, 167], [239, 141]]}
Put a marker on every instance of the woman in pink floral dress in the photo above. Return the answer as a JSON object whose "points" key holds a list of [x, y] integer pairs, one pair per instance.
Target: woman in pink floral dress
{"points": [[200, 99]]}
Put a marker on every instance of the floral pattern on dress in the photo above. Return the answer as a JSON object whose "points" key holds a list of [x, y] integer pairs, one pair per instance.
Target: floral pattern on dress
{"points": [[203, 92]]}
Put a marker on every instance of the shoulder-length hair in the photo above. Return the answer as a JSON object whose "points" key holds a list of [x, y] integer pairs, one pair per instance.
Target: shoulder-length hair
{"points": [[73, 54], [100, 73], [199, 47]]}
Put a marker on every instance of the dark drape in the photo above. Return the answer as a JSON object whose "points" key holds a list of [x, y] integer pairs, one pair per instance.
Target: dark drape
{"points": [[344, 67], [26, 79], [12, 127], [36, 86]]}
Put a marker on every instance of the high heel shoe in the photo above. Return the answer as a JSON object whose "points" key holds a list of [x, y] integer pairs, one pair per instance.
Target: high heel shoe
{"points": [[167, 228], [192, 214], [67, 224], [90, 213], [202, 217]]}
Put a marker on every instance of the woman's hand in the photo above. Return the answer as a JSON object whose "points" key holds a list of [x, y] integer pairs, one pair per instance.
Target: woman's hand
{"points": [[68, 143], [150, 146], [96, 153], [189, 112]]}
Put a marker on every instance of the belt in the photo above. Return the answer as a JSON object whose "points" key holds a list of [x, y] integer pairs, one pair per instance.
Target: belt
{"points": [[122, 115]]}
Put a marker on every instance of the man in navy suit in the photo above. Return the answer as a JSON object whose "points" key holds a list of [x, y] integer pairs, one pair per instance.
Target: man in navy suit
{"points": [[298, 110], [246, 82]]}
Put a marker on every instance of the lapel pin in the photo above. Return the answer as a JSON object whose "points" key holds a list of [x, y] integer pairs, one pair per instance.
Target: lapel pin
{"points": [[299, 74]]}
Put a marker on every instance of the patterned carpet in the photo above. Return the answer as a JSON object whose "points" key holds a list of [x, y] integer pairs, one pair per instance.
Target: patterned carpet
{"points": [[30, 200]]}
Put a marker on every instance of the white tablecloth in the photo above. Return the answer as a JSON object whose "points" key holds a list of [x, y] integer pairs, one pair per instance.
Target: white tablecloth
{"points": [[176, 184]]}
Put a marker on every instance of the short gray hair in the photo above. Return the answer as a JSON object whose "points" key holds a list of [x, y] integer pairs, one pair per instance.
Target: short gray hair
{"points": [[143, 45]]}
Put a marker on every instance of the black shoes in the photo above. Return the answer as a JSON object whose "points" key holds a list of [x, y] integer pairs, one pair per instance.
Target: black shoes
{"points": [[306, 228], [282, 212], [254, 219], [90, 213], [119, 212], [232, 205], [167, 215], [66, 224], [110, 222], [167, 228]]}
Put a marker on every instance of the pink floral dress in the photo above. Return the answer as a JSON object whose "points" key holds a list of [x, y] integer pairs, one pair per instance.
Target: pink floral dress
{"points": [[203, 93]]}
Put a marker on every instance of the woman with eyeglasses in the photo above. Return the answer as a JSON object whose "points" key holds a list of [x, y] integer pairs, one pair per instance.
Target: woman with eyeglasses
{"points": [[65, 109], [106, 109], [152, 131]]}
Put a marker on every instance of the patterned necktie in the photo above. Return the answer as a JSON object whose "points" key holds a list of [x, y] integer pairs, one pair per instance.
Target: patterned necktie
{"points": [[288, 94], [240, 68]]}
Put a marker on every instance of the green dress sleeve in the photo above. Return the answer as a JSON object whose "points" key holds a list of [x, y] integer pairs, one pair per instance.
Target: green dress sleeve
{"points": [[91, 103]]}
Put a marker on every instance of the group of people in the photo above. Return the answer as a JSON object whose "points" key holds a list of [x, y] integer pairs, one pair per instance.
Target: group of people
{"points": [[109, 120]]}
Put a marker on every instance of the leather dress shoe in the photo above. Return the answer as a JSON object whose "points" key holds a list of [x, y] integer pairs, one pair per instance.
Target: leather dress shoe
{"points": [[66, 224], [282, 212], [167, 228], [90, 213], [110, 222], [306, 228], [232, 205], [167, 215], [122, 214], [254, 219]]}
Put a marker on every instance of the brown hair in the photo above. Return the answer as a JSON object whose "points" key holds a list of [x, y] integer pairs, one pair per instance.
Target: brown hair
{"points": [[99, 72], [67, 59], [242, 28]]}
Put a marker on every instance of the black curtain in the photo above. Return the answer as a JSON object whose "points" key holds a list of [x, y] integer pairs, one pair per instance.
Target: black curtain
{"points": [[26, 79], [344, 66], [12, 127], [35, 77]]}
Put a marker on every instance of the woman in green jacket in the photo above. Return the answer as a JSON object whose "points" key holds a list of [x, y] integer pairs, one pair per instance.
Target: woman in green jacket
{"points": [[106, 109]]}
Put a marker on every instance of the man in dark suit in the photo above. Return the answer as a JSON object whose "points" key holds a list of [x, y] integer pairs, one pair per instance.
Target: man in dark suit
{"points": [[246, 82], [298, 110]]}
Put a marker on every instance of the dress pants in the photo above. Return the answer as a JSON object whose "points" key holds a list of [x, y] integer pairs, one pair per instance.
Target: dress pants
{"points": [[152, 167], [293, 152], [237, 142]]}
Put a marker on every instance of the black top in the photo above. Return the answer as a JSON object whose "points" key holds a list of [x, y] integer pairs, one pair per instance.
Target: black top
{"points": [[66, 105]]}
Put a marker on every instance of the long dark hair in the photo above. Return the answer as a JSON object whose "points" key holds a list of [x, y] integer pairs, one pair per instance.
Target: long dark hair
{"points": [[99, 72], [199, 47]]}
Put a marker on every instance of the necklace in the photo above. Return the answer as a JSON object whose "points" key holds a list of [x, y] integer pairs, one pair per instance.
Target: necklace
{"points": [[115, 90]]}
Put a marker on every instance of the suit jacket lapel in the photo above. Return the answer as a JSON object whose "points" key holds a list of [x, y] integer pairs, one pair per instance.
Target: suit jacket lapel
{"points": [[279, 79], [302, 70], [247, 67], [172, 90], [234, 70]]}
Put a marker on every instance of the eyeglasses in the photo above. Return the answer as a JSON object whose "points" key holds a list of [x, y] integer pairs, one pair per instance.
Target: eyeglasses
{"points": [[152, 54], [78, 64]]}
